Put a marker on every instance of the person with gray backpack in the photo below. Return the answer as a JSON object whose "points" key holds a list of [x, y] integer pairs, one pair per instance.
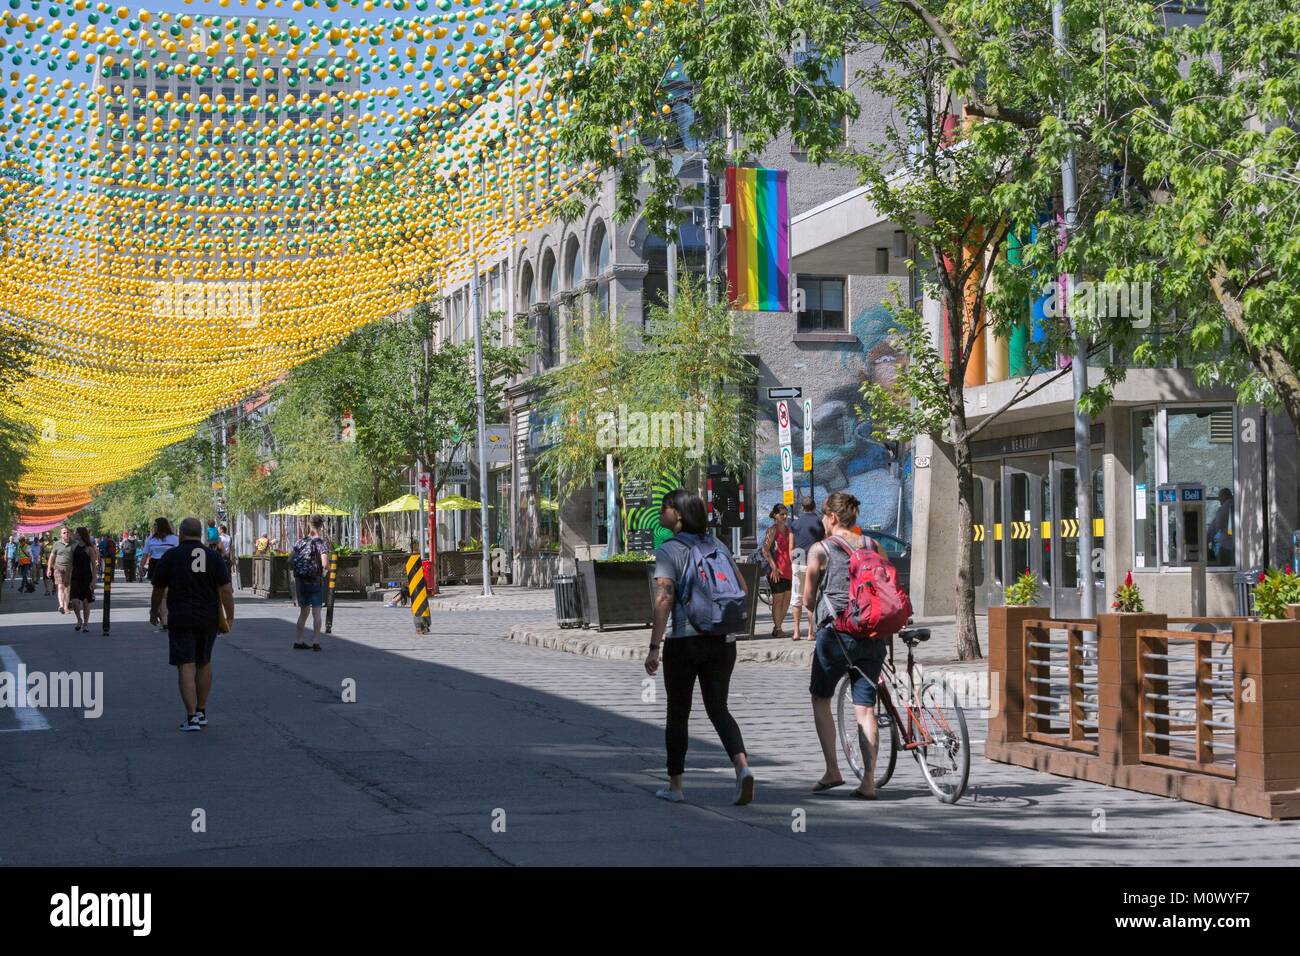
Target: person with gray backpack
{"points": [[698, 584]]}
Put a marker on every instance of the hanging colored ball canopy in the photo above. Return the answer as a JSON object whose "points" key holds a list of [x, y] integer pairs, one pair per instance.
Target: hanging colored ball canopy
{"points": [[196, 202]]}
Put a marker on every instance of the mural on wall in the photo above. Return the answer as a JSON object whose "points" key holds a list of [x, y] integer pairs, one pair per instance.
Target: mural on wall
{"points": [[845, 456]]}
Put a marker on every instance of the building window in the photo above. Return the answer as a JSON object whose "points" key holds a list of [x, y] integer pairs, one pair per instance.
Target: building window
{"points": [[823, 304], [600, 250], [548, 276], [819, 71], [1184, 444], [527, 290], [574, 263]]}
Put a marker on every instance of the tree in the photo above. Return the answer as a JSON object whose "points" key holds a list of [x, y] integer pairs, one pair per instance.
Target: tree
{"points": [[665, 408], [1216, 132], [984, 114]]}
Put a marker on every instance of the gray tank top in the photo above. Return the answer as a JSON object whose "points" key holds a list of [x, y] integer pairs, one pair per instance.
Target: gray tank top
{"points": [[834, 594]]}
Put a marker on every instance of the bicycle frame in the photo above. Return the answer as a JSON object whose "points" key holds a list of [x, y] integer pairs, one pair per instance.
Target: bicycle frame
{"points": [[915, 716]]}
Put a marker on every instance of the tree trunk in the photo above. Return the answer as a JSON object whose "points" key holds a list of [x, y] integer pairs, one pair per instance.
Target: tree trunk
{"points": [[968, 641], [1268, 359]]}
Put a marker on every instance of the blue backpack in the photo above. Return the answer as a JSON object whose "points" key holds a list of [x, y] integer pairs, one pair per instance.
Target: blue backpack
{"points": [[709, 593]]}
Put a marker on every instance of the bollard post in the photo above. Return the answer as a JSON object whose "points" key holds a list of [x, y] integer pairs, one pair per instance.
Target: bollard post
{"points": [[419, 596], [108, 591], [329, 597]]}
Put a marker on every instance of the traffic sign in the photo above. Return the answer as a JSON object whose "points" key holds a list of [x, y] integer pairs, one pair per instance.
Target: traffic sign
{"points": [[784, 391], [807, 434]]}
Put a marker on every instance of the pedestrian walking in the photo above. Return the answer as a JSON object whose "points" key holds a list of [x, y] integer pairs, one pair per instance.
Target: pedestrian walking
{"points": [[309, 560], [698, 585], [24, 553], [223, 540], [262, 545], [59, 567], [11, 558], [191, 587], [777, 544], [213, 535], [156, 545], [808, 530], [126, 550], [81, 586], [107, 551], [826, 592], [36, 552]]}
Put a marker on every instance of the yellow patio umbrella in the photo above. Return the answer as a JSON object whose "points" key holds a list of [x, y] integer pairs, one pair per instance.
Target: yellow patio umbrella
{"points": [[305, 507], [397, 505], [458, 503]]}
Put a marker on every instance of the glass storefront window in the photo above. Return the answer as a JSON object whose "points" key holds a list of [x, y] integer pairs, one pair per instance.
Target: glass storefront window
{"points": [[1185, 444]]}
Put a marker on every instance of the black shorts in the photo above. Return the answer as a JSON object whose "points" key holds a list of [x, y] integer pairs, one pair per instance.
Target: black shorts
{"points": [[778, 587], [190, 645]]}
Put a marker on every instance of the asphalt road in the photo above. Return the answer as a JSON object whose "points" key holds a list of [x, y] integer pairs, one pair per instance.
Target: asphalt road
{"points": [[464, 749]]}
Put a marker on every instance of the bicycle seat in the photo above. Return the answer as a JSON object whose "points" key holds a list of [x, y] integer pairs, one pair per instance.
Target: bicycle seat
{"points": [[914, 635]]}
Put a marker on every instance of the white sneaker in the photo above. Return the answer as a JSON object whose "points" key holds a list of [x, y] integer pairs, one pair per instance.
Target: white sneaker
{"points": [[672, 796], [744, 788]]}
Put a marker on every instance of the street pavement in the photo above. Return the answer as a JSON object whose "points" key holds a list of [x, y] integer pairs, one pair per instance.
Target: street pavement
{"points": [[463, 748]]}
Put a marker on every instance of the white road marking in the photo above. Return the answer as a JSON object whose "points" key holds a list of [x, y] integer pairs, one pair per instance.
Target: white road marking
{"points": [[29, 718]]}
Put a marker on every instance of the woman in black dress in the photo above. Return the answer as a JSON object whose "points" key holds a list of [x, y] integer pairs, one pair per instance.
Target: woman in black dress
{"points": [[81, 591]]}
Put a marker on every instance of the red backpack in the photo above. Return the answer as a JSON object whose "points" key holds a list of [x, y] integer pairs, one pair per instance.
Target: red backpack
{"points": [[877, 606]]}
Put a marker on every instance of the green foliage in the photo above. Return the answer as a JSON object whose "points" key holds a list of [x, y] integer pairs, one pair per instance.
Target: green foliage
{"points": [[1023, 592], [632, 556], [671, 380], [1274, 591]]}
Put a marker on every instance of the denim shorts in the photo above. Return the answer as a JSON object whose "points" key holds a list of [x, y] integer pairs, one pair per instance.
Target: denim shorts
{"points": [[311, 593], [829, 664]]}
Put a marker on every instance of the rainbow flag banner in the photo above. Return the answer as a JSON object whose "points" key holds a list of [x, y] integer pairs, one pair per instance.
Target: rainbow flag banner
{"points": [[758, 249]]}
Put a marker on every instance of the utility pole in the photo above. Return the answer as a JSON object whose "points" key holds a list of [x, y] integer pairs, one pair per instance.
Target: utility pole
{"points": [[1082, 426], [476, 309]]}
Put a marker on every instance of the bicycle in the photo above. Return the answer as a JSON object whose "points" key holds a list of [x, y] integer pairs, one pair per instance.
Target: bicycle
{"points": [[931, 725]]}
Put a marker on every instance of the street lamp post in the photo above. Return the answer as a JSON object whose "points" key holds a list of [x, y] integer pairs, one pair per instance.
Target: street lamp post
{"points": [[1079, 371]]}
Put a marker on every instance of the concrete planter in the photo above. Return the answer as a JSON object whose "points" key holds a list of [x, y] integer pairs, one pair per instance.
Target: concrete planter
{"points": [[617, 593], [271, 575]]}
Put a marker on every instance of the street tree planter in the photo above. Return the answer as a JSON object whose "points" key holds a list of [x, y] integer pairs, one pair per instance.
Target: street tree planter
{"points": [[244, 565], [271, 575], [460, 567], [617, 593], [351, 574], [1007, 664], [749, 574]]}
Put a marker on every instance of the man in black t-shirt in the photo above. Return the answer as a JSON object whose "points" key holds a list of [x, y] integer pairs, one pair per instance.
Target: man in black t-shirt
{"points": [[196, 582]]}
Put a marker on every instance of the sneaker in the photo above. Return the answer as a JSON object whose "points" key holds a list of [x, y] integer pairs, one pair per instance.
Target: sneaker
{"points": [[672, 796], [191, 724], [744, 788], [202, 717]]}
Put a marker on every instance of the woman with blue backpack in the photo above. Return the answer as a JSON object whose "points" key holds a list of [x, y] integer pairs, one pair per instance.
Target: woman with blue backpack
{"points": [[698, 584]]}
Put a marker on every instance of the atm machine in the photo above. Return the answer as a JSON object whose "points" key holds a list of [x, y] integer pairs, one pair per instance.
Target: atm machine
{"points": [[1181, 531]]}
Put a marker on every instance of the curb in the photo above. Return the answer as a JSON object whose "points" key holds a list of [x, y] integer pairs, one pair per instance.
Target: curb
{"points": [[627, 648]]}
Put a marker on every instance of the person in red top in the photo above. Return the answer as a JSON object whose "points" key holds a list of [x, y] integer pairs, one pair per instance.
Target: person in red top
{"points": [[777, 544]]}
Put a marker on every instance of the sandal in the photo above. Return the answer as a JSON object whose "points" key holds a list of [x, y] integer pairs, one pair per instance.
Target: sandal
{"points": [[864, 796], [315, 647], [301, 646], [821, 786]]}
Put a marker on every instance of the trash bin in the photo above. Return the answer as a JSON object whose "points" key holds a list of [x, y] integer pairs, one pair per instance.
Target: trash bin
{"points": [[568, 600], [1245, 582]]}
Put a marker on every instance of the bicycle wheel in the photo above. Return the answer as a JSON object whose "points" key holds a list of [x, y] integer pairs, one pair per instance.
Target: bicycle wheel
{"points": [[852, 741], [764, 592], [944, 752]]}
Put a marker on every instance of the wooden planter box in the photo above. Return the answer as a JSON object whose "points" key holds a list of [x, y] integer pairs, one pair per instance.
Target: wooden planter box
{"points": [[617, 593], [1006, 663], [351, 574], [460, 567], [244, 567], [271, 577]]}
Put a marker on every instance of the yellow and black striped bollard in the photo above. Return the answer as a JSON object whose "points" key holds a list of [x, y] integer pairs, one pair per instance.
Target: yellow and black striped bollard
{"points": [[108, 591], [419, 595], [329, 610]]}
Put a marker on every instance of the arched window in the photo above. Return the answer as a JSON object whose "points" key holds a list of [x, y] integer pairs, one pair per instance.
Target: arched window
{"points": [[527, 288], [573, 263], [548, 275], [600, 250]]}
